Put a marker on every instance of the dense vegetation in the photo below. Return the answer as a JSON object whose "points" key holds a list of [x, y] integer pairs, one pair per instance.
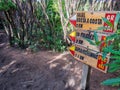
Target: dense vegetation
{"points": [[44, 23]]}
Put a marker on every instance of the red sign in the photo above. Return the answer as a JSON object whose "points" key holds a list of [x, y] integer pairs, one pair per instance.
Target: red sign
{"points": [[111, 18], [101, 63]]}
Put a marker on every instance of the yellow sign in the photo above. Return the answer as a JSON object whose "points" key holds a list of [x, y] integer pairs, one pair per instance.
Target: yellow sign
{"points": [[91, 57], [93, 20]]}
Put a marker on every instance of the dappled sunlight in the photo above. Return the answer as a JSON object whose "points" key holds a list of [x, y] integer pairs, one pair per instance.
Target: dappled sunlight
{"points": [[58, 57], [67, 66], [6, 67], [2, 44], [18, 69], [70, 83], [53, 65]]}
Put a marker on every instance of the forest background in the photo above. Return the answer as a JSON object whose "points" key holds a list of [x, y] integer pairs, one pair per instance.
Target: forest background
{"points": [[37, 24]]}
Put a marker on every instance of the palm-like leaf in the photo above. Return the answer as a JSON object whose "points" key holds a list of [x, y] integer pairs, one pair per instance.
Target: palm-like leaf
{"points": [[107, 22], [90, 41], [116, 20], [111, 81]]}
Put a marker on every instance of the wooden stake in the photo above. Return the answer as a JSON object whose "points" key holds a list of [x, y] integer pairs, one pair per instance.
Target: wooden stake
{"points": [[84, 84]]}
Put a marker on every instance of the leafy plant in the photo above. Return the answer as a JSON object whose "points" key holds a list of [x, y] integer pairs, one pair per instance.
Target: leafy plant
{"points": [[112, 48], [6, 5], [51, 33]]}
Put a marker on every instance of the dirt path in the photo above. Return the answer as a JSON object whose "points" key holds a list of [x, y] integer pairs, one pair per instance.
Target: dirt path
{"points": [[44, 70]]}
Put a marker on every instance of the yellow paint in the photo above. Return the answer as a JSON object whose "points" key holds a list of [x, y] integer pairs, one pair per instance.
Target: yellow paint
{"points": [[72, 48], [73, 34]]}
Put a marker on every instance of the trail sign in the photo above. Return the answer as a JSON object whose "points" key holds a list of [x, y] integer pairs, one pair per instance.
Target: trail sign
{"points": [[93, 20], [89, 54], [89, 57], [86, 23], [82, 35]]}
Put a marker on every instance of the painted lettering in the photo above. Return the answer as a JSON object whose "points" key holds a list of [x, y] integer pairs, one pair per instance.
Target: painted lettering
{"points": [[86, 52], [80, 14]]}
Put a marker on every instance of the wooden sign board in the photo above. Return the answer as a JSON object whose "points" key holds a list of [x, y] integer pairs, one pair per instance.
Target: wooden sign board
{"points": [[92, 20], [97, 63], [90, 57], [81, 35], [86, 24], [89, 54]]}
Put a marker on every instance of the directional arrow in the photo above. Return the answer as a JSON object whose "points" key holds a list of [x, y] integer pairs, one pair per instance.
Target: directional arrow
{"points": [[73, 36], [72, 50], [73, 20]]}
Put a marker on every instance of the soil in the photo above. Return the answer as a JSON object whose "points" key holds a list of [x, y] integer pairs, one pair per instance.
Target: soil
{"points": [[43, 70]]}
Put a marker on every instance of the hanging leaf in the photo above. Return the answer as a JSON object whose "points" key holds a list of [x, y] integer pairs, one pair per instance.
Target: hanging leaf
{"points": [[107, 22], [108, 49], [95, 36], [116, 20], [90, 41], [111, 37], [114, 68], [103, 28], [111, 81], [98, 43], [104, 55], [115, 52], [118, 31], [115, 57]]}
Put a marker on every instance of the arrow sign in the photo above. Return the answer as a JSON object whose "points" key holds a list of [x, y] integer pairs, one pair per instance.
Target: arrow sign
{"points": [[72, 50], [73, 20], [73, 36]]}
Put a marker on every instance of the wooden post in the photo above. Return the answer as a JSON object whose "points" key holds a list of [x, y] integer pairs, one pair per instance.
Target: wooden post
{"points": [[84, 84]]}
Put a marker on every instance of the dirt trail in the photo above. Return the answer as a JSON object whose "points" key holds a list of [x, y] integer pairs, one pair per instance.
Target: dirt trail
{"points": [[44, 70]]}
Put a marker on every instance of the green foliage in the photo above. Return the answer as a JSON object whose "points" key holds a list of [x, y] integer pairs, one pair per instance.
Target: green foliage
{"points": [[51, 33], [113, 82], [90, 41], [107, 22], [41, 29], [6, 5], [102, 28], [114, 50], [87, 6], [96, 41], [116, 20]]}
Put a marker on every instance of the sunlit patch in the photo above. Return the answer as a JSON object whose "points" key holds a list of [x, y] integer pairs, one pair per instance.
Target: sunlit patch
{"points": [[4, 68]]}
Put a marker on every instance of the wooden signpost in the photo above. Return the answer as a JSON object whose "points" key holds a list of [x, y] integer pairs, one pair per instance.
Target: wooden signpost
{"points": [[86, 23], [93, 20]]}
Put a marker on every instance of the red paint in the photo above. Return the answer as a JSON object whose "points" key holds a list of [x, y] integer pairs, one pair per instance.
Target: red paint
{"points": [[72, 52], [103, 38], [103, 44], [72, 38], [73, 22], [111, 18], [101, 63]]}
